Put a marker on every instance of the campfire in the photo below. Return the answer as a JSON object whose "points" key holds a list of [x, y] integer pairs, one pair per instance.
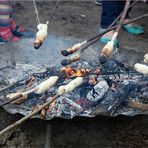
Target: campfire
{"points": [[109, 89], [104, 89]]}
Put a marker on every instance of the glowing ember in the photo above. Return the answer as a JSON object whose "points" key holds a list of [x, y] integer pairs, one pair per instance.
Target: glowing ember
{"points": [[69, 72]]}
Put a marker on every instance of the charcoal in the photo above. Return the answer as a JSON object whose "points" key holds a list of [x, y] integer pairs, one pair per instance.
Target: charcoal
{"points": [[113, 99]]}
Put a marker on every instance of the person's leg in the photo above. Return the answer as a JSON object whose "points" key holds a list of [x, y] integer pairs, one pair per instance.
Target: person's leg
{"points": [[5, 32], [17, 30], [109, 14], [13, 25]]}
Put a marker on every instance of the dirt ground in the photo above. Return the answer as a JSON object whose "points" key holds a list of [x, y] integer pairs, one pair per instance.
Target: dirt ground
{"points": [[73, 22]]}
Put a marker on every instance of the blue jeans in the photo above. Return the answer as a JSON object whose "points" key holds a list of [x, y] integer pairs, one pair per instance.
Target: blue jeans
{"points": [[110, 11]]}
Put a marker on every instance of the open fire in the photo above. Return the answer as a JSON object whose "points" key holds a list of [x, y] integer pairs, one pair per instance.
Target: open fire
{"points": [[69, 72], [109, 89]]}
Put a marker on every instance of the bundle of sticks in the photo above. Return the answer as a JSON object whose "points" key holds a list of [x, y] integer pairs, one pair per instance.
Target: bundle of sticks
{"points": [[74, 53]]}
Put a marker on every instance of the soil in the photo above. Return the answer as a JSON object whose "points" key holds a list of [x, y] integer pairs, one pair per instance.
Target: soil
{"points": [[74, 22]]}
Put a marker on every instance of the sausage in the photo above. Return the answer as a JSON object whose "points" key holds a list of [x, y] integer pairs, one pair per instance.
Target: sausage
{"points": [[141, 68], [71, 85], [44, 86]]}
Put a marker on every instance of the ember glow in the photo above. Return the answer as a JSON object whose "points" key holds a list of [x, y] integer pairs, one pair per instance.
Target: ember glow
{"points": [[69, 72]]}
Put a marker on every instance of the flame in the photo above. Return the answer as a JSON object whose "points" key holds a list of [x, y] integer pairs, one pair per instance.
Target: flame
{"points": [[69, 72]]}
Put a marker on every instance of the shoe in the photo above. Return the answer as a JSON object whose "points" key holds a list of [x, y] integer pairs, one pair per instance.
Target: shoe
{"points": [[7, 36], [14, 27], [105, 39], [98, 2], [134, 29], [20, 31]]}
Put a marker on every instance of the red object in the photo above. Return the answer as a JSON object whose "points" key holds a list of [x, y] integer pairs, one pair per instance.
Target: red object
{"points": [[6, 35], [15, 27]]}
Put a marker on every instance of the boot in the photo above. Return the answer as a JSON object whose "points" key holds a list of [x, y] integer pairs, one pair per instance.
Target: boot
{"points": [[15, 29], [20, 31]]}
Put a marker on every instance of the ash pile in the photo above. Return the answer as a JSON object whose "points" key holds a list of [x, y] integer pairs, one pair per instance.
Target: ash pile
{"points": [[90, 89]]}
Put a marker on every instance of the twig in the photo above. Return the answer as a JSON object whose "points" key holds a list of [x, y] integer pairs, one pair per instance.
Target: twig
{"points": [[11, 100], [136, 105], [19, 122], [19, 97], [12, 85]]}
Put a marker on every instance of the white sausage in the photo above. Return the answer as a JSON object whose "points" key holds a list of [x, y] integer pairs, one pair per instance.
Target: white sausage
{"points": [[108, 48], [71, 85], [12, 95], [42, 31], [41, 88], [146, 58], [141, 68], [44, 86]]}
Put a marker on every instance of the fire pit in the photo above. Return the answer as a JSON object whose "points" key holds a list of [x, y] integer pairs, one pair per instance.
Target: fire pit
{"points": [[109, 89]]}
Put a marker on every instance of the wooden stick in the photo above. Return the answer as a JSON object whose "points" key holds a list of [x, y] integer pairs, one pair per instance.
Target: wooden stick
{"points": [[10, 86], [28, 116], [11, 100], [42, 87], [64, 89], [136, 105], [17, 97]]}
